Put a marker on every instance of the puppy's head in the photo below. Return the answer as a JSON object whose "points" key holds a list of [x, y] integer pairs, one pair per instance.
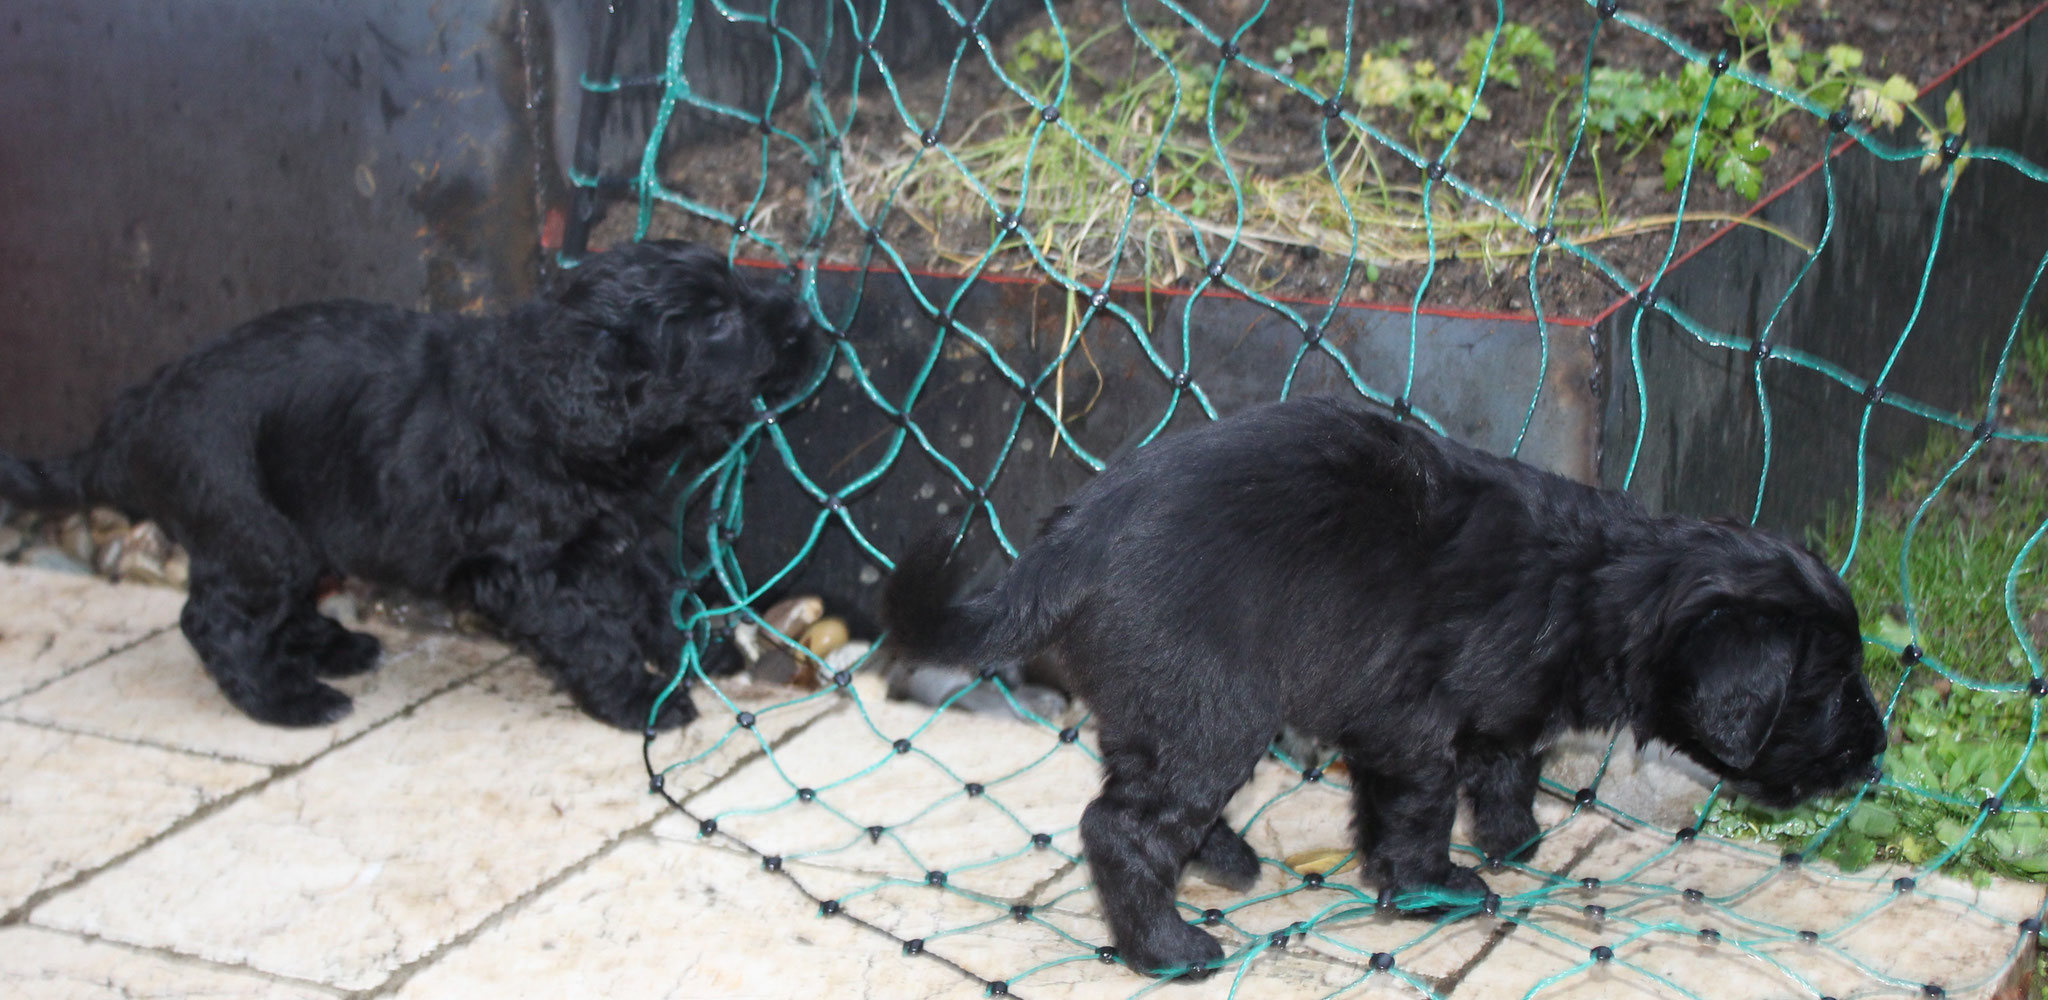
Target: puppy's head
{"points": [[643, 343], [1752, 664]]}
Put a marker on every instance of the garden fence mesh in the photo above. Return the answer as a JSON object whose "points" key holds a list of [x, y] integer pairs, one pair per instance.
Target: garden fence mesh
{"points": [[893, 796]]}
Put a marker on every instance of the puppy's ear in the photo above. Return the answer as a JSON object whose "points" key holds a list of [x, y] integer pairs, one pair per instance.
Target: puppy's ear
{"points": [[1735, 667]]}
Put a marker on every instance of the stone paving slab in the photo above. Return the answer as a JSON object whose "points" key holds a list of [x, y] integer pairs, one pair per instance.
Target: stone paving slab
{"points": [[471, 834], [70, 803], [662, 919], [36, 964], [156, 692], [53, 623], [385, 849]]}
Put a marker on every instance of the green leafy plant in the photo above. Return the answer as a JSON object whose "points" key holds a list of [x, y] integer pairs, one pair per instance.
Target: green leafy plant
{"points": [[1434, 102], [1953, 746], [1731, 141], [1311, 59]]}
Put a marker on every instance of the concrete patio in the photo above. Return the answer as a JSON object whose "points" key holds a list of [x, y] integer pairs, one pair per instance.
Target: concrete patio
{"points": [[466, 833]]}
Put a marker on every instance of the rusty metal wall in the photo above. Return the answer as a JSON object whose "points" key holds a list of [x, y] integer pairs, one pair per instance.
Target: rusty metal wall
{"points": [[170, 169]]}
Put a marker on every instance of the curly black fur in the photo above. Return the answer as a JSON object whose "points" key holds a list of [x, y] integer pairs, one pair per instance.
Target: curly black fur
{"points": [[1437, 613], [508, 463]]}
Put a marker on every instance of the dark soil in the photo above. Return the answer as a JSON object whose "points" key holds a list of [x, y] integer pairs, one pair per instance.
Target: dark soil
{"points": [[767, 182]]}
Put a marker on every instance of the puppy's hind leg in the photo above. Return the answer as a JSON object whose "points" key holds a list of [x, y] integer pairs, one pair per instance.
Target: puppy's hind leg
{"points": [[234, 620], [1160, 801], [324, 645]]}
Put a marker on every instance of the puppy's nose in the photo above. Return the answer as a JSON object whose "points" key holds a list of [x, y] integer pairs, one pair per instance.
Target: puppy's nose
{"points": [[1872, 772]]}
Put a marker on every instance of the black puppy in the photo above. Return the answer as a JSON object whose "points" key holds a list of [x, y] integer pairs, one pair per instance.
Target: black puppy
{"points": [[507, 463], [1437, 613]]}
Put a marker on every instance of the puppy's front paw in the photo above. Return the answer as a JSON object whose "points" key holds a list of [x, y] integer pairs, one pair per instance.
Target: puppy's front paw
{"points": [[1508, 834], [350, 654], [305, 703], [1432, 894], [635, 713], [1171, 947]]}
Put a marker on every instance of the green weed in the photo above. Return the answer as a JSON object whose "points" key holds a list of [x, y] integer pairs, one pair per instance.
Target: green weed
{"points": [[1954, 745]]}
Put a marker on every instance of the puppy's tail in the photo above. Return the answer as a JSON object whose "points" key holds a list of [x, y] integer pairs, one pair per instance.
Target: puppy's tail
{"points": [[926, 621], [43, 484]]}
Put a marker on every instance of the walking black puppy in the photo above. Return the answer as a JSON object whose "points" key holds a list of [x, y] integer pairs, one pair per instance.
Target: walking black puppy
{"points": [[506, 463], [1437, 613]]}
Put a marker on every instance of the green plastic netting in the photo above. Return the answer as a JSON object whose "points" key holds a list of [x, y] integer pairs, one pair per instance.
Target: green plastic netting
{"points": [[868, 803]]}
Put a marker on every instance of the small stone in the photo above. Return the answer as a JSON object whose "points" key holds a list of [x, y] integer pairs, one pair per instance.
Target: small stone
{"points": [[178, 569], [792, 616], [746, 637], [108, 559], [54, 559], [145, 555], [777, 666], [846, 656], [825, 635], [74, 537], [11, 541], [106, 524]]}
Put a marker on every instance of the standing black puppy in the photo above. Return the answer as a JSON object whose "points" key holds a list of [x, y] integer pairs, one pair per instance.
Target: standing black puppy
{"points": [[1437, 613], [503, 462]]}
